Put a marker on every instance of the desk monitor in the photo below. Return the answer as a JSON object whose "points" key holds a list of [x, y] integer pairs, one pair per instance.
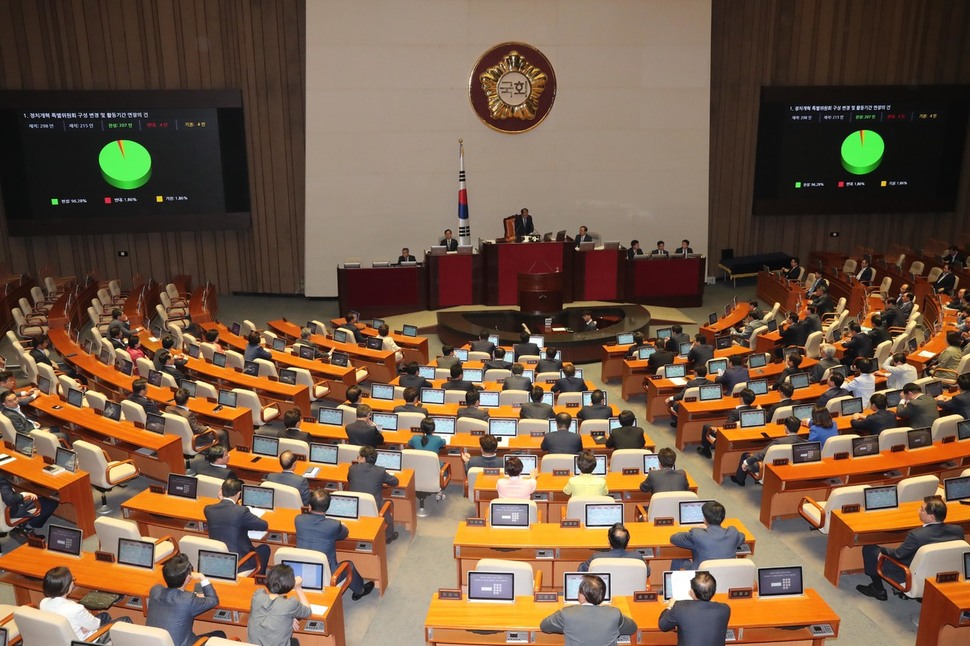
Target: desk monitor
{"points": [[758, 386], [330, 416], [191, 387], [462, 354], [709, 392], [66, 459], [227, 398], [651, 462], [323, 453], [598, 470], [752, 418], [306, 352], [183, 486], [850, 406], [772, 325], [893, 397], [136, 553], [538, 339], [880, 498], [374, 343], [588, 398], [340, 336], [933, 388], [677, 584], [966, 566], [426, 372], [615, 423], [509, 515], [266, 445], [279, 344], [311, 573], [842, 370], [87, 345], [474, 375], [105, 356], [712, 318], [157, 331], [691, 512], [491, 587], [65, 540], [409, 330], [444, 424], [488, 398], [799, 380], [919, 438], [343, 506], [549, 398], [493, 339], [219, 359], [24, 444], [376, 323], [218, 565], [75, 397], [716, 365], [529, 462], [789, 352], [235, 328], [287, 376], [664, 333], [624, 338], [780, 581], [758, 360], [340, 359], [603, 514], [956, 488], [913, 345], [529, 373], [259, 497], [155, 423], [250, 368], [723, 342], [573, 426], [195, 350], [155, 378], [963, 430], [432, 395], [804, 452], [44, 384], [385, 421], [645, 352], [123, 366], [671, 371], [390, 460], [571, 581], [503, 426], [866, 445], [112, 410], [684, 349], [803, 411], [383, 392]]}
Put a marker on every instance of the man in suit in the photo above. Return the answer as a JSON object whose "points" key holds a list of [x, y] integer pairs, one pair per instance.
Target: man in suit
{"points": [[619, 538], [411, 403], [679, 336], [786, 390], [747, 398], [665, 355], [173, 607], [668, 477], [827, 359], [549, 363], [953, 256], [865, 273], [119, 321], [471, 407], [365, 476], [457, 380], [412, 379], [353, 397], [634, 250], [482, 344], [751, 462], [516, 381], [946, 281], [792, 367], [314, 531], [20, 504], [905, 307], [291, 430], [289, 478], [835, 390], [878, 333], [569, 383], [735, 374], [589, 622], [498, 362], [588, 324], [167, 359], [597, 409], [535, 408], [698, 620], [448, 242], [525, 347], [794, 331], [684, 248], [231, 523], [406, 256], [523, 224], [447, 358], [305, 340], [958, 404], [752, 323], [364, 431], [350, 325], [182, 410], [712, 541], [673, 402], [793, 270], [822, 301], [932, 513], [660, 251], [626, 436], [858, 345], [583, 236], [213, 463], [138, 389], [916, 409], [700, 352], [12, 411], [562, 440], [876, 422], [254, 348], [488, 459], [114, 336]]}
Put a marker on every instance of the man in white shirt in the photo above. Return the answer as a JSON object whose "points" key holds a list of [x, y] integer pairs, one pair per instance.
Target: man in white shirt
{"points": [[865, 384], [390, 344], [900, 372]]}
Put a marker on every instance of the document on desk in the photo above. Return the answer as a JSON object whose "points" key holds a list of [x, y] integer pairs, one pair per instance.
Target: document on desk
{"points": [[256, 535], [311, 472], [257, 512], [4, 457], [926, 354], [678, 381], [318, 609]]}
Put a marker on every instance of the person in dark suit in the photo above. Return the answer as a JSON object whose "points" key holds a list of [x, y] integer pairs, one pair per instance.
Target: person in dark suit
{"points": [[254, 348], [406, 256], [699, 621], [350, 325], [684, 248], [660, 251], [588, 324], [213, 463], [168, 367], [516, 381], [583, 236], [231, 523], [21, 504], [793, 363], [353, 395], [291, 427], [668, 478], [858, 345], [535, 408], [946, 281], [589, 622], [597, 409], [569, 383], [498, 361], [958, 404], [471, 408], [877, 421], [523, 224], [709, 542], [364, 431], [182, 410], [412, 379], [700, 352], [619, 538], [639, 341], [793, 331], [365, 476], [634, 250], [673, 402], [916, 409], [457, 380], [138, 389], [932, 513], [878, 333], [905, 307], [411, 403], [865, 273], [173, 607], [747, 398], [665, 355], [482, 344], [953, 256], [12, 411], [119, 321], [822, 301], [549, 363], [525, 347], [786, 390], [751, 462], [626, 436], [794, 269], [289, 478], [562, 440], [447, 358], [753, 322], [835, 389], [448, 242], [735, 374], [488, 459], [314, 531]]}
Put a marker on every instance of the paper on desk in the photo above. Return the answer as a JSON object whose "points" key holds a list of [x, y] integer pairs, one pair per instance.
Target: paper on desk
{"points": [[256, 535], [926, 354], [311, 472], [318, 609], [257, 512], [678, 381]]}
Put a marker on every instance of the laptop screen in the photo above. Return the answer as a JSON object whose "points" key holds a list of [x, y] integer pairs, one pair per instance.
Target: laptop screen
{"points": [[863, 446], [311, 573], [461, 353], [806, 452], [677, 584], [66, 459], [219, 359], [195, 350], [227, 398], [502, 426], [251, 368], [266, 445], [385, 421], [529, 462], [105, 356], [752, 418], [603, 514], [758, 360], [279, 344], [588, 397], [893, 397], [710, 392], [538, 339], [65, 540], [598, 470], [798, 380], [651, 462], [803, 411], [684, 349], [548, 398], [75, 397], [851, 406], [432, 396], [673, 370], [390, 460], [780, 581], [488, 398], [44, 384], [722, 342], [491, 586], [529, 374], [473, 375], [340, 359], [963, 430], [645, 352], [112, 410], [235, 328], [259, 497], [305, 352], [382, 391], [444, 425], [933, 389], [323, 453], [716, 365], [123, 365], [183, 486], [957, 488], [331, 416], [758, 386], [155, 423], [881, 498], [24, 444], [409, 330], [919, 438], [571, 581], [624, 338], [426, 372], [287, 376], [691, 512], [340, 336], [375, 343], [712, 318], [218, 565], [342, 506], [509, 514], [664, 333], [155, 378], [136, 553]]}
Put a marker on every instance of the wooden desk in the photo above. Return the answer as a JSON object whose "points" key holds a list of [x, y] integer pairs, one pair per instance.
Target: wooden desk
{"points": [[415, 348], [454, 279], [672, 281], [381, 365], [611, 360], [784, 486], [254, 468], [944, 618], [379, 291], [634, 371], [25, 568], [503, 262], [71, 490], [849, 532], [600, 275], [725, 323], [772, 288], [161, 515]]}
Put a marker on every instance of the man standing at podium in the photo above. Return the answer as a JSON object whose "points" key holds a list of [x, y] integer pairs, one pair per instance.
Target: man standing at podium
{"points": [[523, 224], [449, 243]]}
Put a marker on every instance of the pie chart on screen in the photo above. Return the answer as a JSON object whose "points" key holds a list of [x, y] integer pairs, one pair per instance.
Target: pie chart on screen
{"points": [[125, 164], [862, 152]]}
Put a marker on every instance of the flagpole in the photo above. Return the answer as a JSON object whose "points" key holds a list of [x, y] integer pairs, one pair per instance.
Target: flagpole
{"points": [[464, 224]]}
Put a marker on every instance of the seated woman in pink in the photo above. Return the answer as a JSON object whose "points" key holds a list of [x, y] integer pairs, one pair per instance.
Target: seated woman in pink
{"points": [[515, 486]]}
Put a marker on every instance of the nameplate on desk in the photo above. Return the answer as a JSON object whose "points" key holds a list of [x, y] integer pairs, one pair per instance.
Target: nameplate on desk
{"points": [[569, 522], [740, 593], [631, 471], [242, 449], [104, 557], [478, 432], [644, 595], [546, 597], [610, 344], [551, 381], [897, 448], [655, 377], [841, 455], [730, 425], [398, 493], [36, 541], [310, 420], [364, 546], [536, 433], [949, 438], [779, 462], [663, 522], [947, 577], [541, 496], [645, 552], [851, 509], [332, 486], [833, 481], [892, 473], [690, 400], [259, 579], [560, 472], [475, 522], [572, 405], [449, 594], [156, 489], [491, 471]]}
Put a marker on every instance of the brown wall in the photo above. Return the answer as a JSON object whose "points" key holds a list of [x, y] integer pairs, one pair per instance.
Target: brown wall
{"points": [[256, 46], [822, 42]]}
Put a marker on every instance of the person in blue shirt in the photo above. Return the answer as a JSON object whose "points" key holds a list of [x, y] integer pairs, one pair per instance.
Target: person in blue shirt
{"points": [[821, 427], [427, 441]]}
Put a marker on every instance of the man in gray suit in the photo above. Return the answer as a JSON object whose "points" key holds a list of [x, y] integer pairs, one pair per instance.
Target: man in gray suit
{"points": [[516, 381], [668, 478], [213, 463], [619, 537], [535, 408], [287, 477], [231, 523], [448, 358], [411, 404], [589, 622], [364, 431], [597, 409], [699, 621], [12, 411], [471, 409], [173, 608], [182, 410], [365, 476], [916, 409], [708, 542], [562, 440]]}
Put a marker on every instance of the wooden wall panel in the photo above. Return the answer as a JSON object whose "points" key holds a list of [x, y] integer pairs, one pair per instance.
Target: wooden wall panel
{"points": [[251, 45], [822, 42]]}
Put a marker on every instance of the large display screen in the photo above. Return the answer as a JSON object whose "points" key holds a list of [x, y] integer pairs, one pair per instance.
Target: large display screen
{"points": [[84, 162], [831, 150]]}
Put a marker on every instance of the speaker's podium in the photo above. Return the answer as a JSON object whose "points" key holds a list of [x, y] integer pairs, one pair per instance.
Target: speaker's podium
{"points": [[540, 293]]}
